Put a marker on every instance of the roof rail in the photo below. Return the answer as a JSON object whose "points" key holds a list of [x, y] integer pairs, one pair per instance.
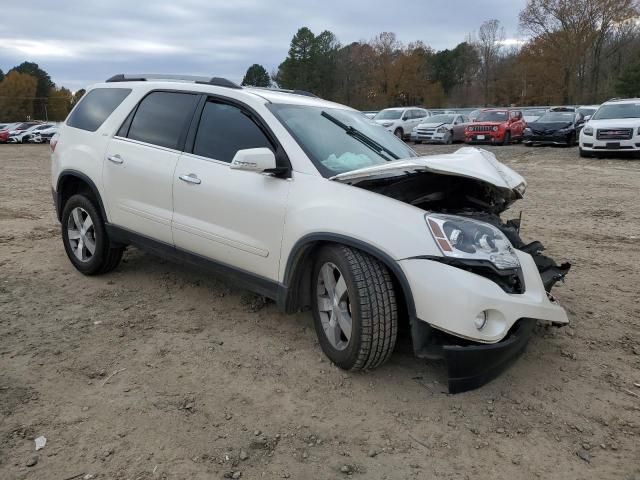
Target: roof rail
{"points": [[284, 90], [143, 77]]}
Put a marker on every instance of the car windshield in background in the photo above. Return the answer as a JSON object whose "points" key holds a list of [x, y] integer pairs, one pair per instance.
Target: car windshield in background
{"points": [[623, 110], [440, 119], [587, 111], [534, 113], [493, 116], [339, 140], [557, 117], [388, 115]]}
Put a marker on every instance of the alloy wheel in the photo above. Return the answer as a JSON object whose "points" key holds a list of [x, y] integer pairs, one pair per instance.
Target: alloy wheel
{"points": [[334, 307], [81, 234]]}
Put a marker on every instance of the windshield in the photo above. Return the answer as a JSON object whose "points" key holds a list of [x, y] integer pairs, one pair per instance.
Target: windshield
{"points": [[622, 110], [586, 111], [493, 116], [534, 113], [388, 115], [557, 117], [333, 149], [440, 119]]}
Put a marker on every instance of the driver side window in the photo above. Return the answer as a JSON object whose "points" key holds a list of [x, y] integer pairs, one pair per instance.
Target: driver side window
{"points": [[224, 129]]}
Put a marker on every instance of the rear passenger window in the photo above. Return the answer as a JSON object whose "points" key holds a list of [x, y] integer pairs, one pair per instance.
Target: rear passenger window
{"points": [[225, 129], [95, 107], [162, 118]]}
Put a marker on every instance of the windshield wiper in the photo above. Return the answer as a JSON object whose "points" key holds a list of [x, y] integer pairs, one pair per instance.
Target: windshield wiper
{"points": [[381, 150]]}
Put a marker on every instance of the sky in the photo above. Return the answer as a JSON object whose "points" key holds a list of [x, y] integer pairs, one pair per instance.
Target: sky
{"points": [[82, 42]]}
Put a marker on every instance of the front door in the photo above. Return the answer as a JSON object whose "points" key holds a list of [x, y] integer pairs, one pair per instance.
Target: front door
{"points": [[234, 217]]}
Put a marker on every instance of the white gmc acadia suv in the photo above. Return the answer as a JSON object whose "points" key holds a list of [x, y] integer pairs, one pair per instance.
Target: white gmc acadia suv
{"points": [[309, 203], [614, 127]]}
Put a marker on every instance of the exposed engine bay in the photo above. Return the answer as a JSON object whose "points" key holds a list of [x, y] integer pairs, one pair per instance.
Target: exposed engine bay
{"points": [[476, 199]]}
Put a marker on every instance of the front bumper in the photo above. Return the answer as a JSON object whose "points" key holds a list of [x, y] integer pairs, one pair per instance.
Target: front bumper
{"points": [[592, 144], [448, 300], [484, 137], [472, 366], [429, 137], [547, 139]]}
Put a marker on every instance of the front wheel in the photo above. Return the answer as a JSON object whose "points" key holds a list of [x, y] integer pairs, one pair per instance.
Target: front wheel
{"points": [[354, 308], [399, 133], [507, 138], [85, 237], [449, 139]]}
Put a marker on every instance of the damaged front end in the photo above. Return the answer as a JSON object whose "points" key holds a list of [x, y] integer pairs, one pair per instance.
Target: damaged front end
{"points": [[470, 184]]}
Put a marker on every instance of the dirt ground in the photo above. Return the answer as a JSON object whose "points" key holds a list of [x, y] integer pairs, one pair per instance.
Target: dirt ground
{"points": [[158, 370]]}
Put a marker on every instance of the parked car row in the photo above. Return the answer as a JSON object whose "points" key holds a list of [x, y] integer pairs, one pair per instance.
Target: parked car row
{"points": [[27, 132], [560, 125]]}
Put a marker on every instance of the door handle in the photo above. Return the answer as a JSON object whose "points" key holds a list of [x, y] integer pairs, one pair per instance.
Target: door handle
{"points": [[191, 178], [115, 159]]}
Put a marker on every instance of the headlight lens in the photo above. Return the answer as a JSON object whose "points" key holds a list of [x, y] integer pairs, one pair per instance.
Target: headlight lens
{"points": [[442, 130], [527, 130], [495, 129], [463, 238], [588, 131]]}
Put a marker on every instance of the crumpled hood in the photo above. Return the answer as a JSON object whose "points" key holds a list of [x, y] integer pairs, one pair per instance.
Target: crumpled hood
{"points": [[431, 125], [467, 162]]}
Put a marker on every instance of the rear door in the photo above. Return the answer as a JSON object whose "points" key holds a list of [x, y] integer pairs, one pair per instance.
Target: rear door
{"points": [[234, 217], [140, 162]]}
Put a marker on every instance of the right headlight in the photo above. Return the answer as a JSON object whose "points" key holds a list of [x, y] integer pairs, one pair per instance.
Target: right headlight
{"points": [[588, 131], [527, 130], [463, 238]]}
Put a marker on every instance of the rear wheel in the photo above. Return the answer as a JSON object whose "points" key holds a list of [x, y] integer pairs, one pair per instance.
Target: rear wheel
{"points": [[85, 237], [354, 308]]}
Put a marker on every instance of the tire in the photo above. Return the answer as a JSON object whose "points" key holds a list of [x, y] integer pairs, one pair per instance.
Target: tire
{"points": [[365, 297], [105, 257], [449, 140], [527, 144], [584, 153], [507, 138], [417, 142], [399, 133]]}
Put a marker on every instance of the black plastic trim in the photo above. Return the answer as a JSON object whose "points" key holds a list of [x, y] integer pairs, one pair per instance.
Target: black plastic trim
{"points": [[256, 283], [74, 173], [297, 256], [472, 366]]}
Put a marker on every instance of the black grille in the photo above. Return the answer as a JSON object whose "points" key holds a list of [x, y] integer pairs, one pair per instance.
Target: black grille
{"points": [[480, 128], [615, 134]]}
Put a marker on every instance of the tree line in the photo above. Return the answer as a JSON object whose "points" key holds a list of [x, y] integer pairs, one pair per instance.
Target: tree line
{"points": [[577, 52], [27, 92]]}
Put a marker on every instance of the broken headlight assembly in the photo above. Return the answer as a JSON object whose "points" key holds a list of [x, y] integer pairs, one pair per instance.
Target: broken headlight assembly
{"points": [[463, 238]]}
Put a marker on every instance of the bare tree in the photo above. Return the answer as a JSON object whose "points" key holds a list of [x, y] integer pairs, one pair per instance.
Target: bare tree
{"points": [[489, 43], [580, 30]]}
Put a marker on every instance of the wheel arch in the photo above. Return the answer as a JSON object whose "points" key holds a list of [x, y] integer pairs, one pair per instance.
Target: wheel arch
{"points": [[71, 182], [295, 294]]}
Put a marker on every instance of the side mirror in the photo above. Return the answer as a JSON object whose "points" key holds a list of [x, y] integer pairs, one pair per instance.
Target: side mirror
{"points": [[254, 160], [587, 118]]}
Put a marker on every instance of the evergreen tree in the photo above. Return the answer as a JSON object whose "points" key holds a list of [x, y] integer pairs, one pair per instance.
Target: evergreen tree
{"points": [[256, 76]]}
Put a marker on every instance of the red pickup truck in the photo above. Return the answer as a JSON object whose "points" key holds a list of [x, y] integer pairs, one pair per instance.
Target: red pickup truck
{"points": [[496, 126]]}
